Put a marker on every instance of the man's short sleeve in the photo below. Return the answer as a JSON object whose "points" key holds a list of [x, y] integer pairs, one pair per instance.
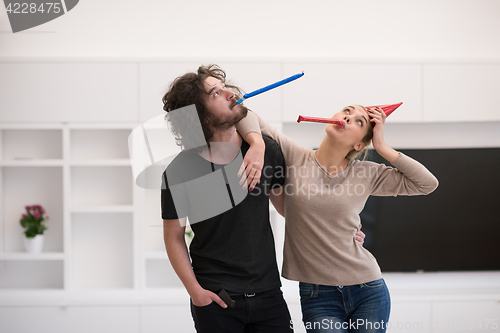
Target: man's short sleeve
{"points": [[279, 163], [168, 211]]}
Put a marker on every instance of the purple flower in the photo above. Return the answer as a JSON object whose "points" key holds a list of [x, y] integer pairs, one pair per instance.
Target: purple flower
{"points": [[38, 208], [33, 220]]}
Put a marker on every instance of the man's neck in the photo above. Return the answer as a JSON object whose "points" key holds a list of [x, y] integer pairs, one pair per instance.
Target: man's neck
{"points": [[224, 146], [230, 135]]}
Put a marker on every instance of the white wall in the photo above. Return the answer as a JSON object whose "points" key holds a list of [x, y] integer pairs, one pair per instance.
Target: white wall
{"points": [[358, 29], [430, 38]]}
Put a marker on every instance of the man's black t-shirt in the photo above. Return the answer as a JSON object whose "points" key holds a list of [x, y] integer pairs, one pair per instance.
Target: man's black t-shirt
{"points": [[235, 249]]}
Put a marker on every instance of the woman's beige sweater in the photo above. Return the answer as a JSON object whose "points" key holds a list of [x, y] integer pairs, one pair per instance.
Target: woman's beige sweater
{"points": [[322, 210]]}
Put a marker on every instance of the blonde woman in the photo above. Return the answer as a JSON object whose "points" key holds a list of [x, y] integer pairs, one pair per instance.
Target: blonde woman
{"points": [[341, 285]]}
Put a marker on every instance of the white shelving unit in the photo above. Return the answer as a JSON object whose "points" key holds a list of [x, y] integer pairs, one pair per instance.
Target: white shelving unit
{"points": [[104, 233], [31, 172]]}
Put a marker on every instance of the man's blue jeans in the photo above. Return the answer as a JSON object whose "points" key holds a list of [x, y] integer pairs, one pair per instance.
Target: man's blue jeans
{"points": [[358, 308]]}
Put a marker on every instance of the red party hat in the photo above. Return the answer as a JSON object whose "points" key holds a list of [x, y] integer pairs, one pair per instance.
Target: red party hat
{"points": [[388, 109]]}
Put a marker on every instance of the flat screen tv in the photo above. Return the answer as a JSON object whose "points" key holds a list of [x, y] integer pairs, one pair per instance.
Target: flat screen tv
{"points": [[455, 228]]}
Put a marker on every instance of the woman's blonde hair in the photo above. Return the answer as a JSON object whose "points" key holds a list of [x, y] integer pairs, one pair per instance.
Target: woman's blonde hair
{"points": [[367, 140]]}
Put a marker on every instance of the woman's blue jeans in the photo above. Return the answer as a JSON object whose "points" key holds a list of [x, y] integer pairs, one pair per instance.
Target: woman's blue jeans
{"points": [[358, 308]]}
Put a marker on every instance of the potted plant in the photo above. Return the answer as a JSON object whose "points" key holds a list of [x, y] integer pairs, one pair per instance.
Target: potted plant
{"points": [[33, 223]]}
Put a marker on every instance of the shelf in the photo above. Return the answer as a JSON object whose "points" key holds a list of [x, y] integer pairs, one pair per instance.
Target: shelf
{"points": [[102, 126], [31, 163], [121, 297], [103, 209], [22, 186], [17, 256], [32, 274], [151, 221], [102, 250], [99, 144], [101, 185], [31, 144], [100, 162], [81, 174], [31, 126]]}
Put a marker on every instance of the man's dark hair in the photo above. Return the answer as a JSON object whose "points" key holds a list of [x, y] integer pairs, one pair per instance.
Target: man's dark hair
{"points": [[189, 89]]}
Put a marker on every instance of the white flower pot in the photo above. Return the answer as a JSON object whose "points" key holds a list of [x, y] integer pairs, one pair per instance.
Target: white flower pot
{"points": [[34, 245]]}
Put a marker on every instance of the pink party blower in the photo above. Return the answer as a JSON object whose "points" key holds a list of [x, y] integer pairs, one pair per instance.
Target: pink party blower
{"points": [[339, 123], [388, 109]]}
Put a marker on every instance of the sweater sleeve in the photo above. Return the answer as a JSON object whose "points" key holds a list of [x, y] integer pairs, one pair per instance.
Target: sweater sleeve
{"points": [[409, 177], [248, 124], [252, 122]]}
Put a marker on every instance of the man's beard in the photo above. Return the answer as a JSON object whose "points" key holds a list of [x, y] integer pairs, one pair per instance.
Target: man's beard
{"points": [[221, 124]]}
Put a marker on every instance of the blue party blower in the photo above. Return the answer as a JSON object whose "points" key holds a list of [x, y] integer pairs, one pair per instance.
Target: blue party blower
{"points": [[269, 87]]}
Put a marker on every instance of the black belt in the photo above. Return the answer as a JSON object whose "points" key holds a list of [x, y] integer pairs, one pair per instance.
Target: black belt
{"points": [[235, 294], [226, 296]]}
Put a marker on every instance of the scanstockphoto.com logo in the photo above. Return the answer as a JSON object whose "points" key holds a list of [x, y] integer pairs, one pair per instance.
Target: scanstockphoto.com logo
{"points": [[24, 15]]}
